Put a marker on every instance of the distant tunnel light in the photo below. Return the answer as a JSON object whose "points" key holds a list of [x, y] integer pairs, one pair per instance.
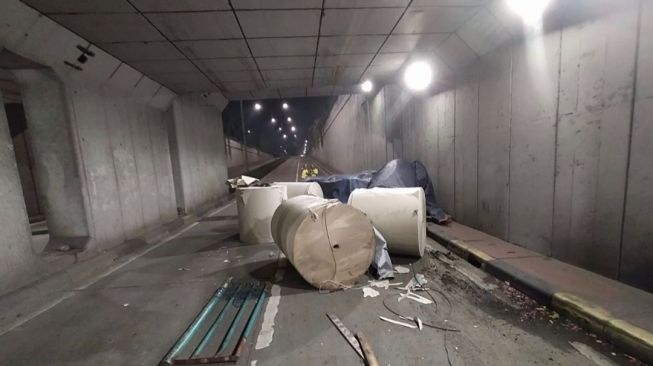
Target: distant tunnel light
{"points": [[418, 76], [530, 11], [367, 86], [258, 106]]}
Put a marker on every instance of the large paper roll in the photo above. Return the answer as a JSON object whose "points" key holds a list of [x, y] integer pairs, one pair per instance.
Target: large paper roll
{"points": [[330, 244], [256, 205], [398, 213], [295, 189]]}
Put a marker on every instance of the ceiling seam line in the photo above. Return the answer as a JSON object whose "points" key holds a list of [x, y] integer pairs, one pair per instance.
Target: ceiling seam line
{"points": [[317, 45], [176, 47], [249, 48], [386, 39]]}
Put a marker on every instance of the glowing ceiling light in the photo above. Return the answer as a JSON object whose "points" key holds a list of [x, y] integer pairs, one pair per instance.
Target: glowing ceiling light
{"points": [[279, 128], [367, 86], [292, 128], [273, 120], [258, 106], [284, 105], [530, 11], [418, 76], [295, 136], [284, 136], [289, 119]]}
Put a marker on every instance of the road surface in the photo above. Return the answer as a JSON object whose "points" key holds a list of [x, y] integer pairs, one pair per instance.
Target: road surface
{"points": [[134, 314]]}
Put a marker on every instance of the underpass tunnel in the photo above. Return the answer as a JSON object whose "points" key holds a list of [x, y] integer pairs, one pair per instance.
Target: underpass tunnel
{"points": [[124, 126]]}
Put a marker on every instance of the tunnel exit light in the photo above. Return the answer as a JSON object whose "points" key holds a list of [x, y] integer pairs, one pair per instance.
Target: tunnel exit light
{"points": [[418, 76], [530, 11]]}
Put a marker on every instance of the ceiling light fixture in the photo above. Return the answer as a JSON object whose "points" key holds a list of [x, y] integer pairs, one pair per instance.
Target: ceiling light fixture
{"points": [[258, 106], [367, 86], [418, 76], [530, 11], [284, 105]]}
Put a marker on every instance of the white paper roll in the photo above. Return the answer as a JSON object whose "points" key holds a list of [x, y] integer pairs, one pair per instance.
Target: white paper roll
{"points": [[398, 213], [302, 188], [330, 244], [256, 205]]}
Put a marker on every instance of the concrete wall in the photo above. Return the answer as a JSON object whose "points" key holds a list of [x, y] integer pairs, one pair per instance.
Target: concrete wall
{"points": [[103, 147], [236, 154], [198, 152], [537, 142], [17, 259]]}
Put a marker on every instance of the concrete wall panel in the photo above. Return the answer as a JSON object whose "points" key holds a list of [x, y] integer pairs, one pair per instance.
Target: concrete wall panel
{"points": [[494, 142], [532, 141], [120, 136], [637, 247], [16, 259], [445, 178], [466, 149], [597, 64]]}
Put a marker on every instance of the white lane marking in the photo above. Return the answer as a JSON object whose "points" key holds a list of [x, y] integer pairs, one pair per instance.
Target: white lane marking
{"points": [[264, 338], [69, 294], [297, 171]]}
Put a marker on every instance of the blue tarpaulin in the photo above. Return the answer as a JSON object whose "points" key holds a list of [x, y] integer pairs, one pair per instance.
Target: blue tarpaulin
{"points": [[394, 174]]}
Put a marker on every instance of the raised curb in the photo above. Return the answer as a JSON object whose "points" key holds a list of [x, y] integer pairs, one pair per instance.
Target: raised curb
{"points": [[631, 338]]}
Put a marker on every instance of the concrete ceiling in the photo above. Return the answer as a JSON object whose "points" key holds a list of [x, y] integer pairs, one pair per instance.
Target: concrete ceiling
{"points": [[280, 48]]}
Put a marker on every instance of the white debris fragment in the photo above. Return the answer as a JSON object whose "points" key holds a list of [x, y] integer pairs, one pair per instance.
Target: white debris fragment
{"points": [[417, 321], [415, 297], [370, 292], [414, 285], [227, 261], [384, 284], [401, 269], [397, 322], [125, 305]]}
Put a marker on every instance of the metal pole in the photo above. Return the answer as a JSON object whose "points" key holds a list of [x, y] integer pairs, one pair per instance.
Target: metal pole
{"points": [[244, 132], [183, 341]]}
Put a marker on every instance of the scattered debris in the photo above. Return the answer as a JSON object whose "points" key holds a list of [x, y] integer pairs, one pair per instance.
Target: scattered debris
{"points": [[591, 354], [370, 292], [415, 297], [384, 284], [414, 285], [349, 336], [401, 269], [370, 357], [242, 181], [407, 325], [415, 319]]}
